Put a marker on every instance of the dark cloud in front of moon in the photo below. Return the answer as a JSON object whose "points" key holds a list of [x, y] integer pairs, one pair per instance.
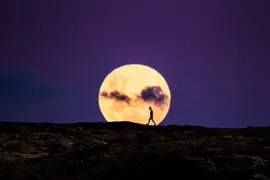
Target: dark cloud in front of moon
{"points": [[116, 96], [154, 94]]}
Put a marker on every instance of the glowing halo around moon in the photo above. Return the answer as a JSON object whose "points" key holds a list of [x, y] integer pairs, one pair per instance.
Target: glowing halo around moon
{"points": [[127, 92]]}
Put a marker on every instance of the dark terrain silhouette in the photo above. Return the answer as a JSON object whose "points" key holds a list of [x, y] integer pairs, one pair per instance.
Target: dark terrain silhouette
{"points": [[124, 150], [151, 117]]}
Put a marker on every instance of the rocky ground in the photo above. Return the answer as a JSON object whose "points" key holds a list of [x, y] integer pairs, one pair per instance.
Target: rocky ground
{"points": [[132, 151]]}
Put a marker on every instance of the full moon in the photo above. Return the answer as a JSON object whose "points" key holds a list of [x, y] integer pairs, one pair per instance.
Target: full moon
{"points": [[129, 90]]}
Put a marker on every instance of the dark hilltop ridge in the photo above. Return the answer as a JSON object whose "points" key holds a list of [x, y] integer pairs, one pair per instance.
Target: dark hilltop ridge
{"points": [[84, 151]]}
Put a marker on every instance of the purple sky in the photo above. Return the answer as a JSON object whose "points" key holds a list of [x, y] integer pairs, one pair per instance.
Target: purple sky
{"points": [[214, 55]]}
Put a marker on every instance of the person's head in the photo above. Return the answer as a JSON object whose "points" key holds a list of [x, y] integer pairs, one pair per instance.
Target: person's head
{"points": [[150, 108]]}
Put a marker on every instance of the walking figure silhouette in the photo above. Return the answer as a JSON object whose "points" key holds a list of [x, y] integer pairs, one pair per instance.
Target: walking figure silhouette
{"points": [[151, 118]]}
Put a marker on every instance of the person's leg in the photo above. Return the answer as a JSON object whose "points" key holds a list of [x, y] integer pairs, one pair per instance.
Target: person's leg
{"points": [[148, 121], [154, 122]]}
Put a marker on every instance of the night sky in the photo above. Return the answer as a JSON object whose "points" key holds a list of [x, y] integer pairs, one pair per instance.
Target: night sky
{"points": [[214, 54]]}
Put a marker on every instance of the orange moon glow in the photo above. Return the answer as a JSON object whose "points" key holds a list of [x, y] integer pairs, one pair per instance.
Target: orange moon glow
{"points": [[127, 92]]}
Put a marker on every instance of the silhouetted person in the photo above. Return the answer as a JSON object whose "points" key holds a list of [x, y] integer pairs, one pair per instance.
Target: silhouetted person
{"points": [[151, 118]]}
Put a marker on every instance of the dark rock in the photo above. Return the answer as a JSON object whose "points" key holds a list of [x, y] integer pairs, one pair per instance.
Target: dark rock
{"points": [[19, 146], [60, 146], [126, 150], [143, 137], [260, 177]]}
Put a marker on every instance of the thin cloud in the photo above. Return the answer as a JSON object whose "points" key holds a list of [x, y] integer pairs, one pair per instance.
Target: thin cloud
{"points": [[116, 96]]}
